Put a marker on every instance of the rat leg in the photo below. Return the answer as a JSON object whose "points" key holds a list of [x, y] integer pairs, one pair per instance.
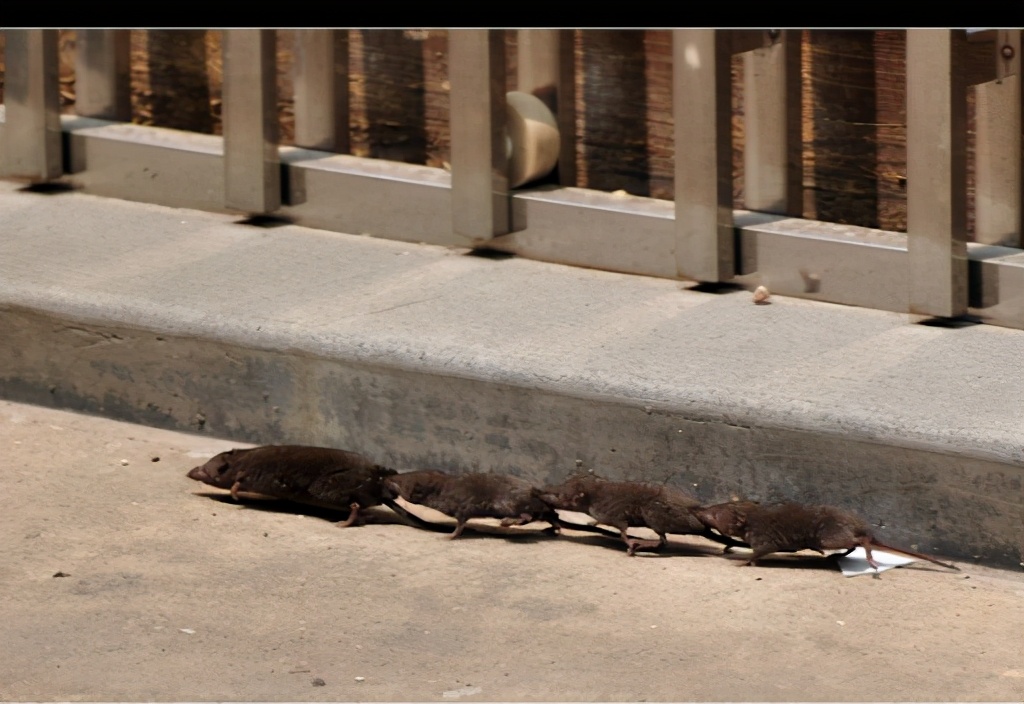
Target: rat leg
{"points": [[459, 525], [523, 519], [237, 485], [635, 543], [727, 541], [628, 541], [867, 551], [640, 543], [759, 552], [352, 516]]}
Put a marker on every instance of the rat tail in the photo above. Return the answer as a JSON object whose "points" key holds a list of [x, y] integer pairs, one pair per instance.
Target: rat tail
{"points": [[911, 553], [413, 518]]}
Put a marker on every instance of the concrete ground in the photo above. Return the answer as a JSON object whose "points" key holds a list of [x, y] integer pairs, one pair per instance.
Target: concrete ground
{"points": [[124, 580]]}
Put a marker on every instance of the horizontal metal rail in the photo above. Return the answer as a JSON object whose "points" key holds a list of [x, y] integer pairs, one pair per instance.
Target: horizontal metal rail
{"points": [[928, 271]]}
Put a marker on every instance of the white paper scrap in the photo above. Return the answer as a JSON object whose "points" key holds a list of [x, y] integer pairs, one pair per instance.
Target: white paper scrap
{"points": [[857, 562]]}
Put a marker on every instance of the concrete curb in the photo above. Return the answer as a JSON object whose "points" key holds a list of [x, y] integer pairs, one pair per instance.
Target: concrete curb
{"points": [[422, 357]]}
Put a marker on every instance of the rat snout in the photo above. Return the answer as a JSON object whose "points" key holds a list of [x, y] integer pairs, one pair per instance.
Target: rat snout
{"points": [[199, 473], [389, 489], [555, 498], [217, 472]]}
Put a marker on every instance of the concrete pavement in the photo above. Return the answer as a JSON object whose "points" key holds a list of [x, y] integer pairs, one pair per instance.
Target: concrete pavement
{"points": [[167, 594]]}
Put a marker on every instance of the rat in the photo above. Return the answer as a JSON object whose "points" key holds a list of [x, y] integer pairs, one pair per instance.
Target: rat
{"points": [[318, 476], [474, 495], [788, 527], [663, 509]]}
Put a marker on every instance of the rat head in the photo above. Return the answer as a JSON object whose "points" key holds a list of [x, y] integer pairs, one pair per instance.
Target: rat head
{"points": [[415, 487], [220, 471], [573, 494], [728, 519]]}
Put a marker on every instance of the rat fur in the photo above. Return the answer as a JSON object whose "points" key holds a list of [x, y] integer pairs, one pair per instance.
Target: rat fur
{"points": [[788, 527], [663, 509], [317, 476], [473, 495]]}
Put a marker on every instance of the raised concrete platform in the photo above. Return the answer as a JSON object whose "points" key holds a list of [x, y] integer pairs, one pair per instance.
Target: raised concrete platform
{"points": [[423, 356]]}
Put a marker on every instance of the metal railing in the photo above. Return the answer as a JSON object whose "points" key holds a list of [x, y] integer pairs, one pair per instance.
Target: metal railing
{"points": [[930, 270]]}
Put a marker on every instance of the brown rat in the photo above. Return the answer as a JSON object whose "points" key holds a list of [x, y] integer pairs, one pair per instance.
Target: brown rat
{"points": [[788, 527], [318, 476], [663, 509], [473, 495]]}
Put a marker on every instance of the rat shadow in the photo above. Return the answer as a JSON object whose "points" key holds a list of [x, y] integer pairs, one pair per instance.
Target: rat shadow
{"points": [[370, 514], [788, 561], [383, 515], [808, 560], [612, 541]]}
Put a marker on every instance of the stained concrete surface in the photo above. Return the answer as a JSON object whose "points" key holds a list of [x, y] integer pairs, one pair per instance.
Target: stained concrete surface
{"points": [[167, 593]]}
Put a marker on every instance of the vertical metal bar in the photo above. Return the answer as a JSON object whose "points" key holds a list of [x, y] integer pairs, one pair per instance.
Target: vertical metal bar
{"points": [[566, 115], [937, 171], [998, 204], [32, 145], [479, 157], [546, 68], [772, 158], [537, 64], [321, 89], [705, 240], [252, 170], [103, 74]]}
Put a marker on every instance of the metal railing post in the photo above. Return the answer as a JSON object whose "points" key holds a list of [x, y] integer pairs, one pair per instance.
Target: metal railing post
{"points": [[546, 68], [32, 146], [705, 241], [103, 74], [252, 169], [479, 157], [937, 171], [772, 153], [321, 89], [998, 205]]}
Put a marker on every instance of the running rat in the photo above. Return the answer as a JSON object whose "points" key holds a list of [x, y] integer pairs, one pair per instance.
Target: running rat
{"points": [[473, 495], [622, 505], [788, 527], [318, 476]]}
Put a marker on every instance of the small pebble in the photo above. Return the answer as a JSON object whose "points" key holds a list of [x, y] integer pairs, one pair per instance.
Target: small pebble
{"points": [[187, 630], [155, 459], [318, 682], [761, 295], [124, 463], [360, 679], [841, 623]]}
